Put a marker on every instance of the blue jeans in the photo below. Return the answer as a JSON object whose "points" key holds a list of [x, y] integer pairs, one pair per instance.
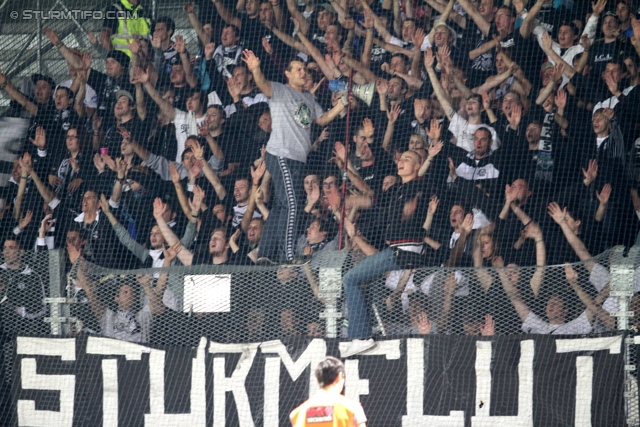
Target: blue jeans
{"points": [[278, 241], [370, 268]]}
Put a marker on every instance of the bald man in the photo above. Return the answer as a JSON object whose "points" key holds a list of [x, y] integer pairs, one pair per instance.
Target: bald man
{"points": [[403, 232]]}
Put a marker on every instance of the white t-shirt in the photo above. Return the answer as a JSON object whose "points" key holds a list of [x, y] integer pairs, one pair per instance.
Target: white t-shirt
{"points": [[120, 325], [463, 131], [533, 324], [186, 124]]}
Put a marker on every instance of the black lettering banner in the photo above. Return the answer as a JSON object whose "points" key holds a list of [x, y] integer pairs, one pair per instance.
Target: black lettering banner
{"points": [[448, 381]]}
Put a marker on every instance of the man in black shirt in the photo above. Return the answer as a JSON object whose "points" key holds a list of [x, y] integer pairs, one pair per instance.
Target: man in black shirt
{"points": [[523, 49], [106, 85], [125, 116], [404, 232]]}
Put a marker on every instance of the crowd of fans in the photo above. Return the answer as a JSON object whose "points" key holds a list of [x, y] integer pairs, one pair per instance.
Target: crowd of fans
{"points": [[479, 134]]}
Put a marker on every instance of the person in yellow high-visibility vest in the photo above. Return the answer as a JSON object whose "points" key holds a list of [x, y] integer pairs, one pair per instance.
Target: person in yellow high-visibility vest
{"points": [[123, 20]]}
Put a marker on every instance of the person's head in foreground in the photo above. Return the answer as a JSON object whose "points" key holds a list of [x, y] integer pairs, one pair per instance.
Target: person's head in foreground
{"points": [[330, 374]]}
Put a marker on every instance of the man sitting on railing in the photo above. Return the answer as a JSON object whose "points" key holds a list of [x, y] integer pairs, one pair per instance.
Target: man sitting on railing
{"points": [[403, 234]]}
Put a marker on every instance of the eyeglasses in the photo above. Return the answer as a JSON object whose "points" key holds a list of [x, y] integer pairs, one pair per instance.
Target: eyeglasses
{"points": [[329, 184]]}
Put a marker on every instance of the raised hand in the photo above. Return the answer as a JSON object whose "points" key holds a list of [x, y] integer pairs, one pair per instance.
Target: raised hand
{"points": [[418, 37], [591, 173], [532, 231], [556, 213], [74, 254], [188, 7], [46, 224], [316, 86], [156, 43], [515, 116], [26, 219], [40, 140], [92, 37], [369, 130], [547, 42], [603, 196], [598, 7], [585, 42], [179, 44], [428, 58], [349, 227], [509, 194], [195, 169], [52, 36], [196, 202], [612, 85], [234, 88], [558, 70], [175, 175], [497, 261], [209, 48], [121, 167], [433, 204], [249, 58], [86, 60], [98, 162], [418, 109], [382, 86], [434, 149], [158, 207], [394, 112], [561, 99], [340, 150], [570, 274], [435, 130], [26, 164], [196, 148], [467, 224], [134, 45], [452, 169], [369, 20], [486, 101], [104, 204], [172, 251], [258, 173]]}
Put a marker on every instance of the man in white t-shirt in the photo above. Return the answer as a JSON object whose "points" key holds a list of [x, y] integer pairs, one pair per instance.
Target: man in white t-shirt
{"points": [[293, 110], [186, 119], [556, 312], [463, 129]]}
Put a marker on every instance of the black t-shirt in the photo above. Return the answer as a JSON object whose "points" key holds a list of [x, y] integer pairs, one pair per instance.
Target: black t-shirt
{"points": [[113, 139], [483, 66], [374, 175], [399, 228], [251, 33], [525, 52]]}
